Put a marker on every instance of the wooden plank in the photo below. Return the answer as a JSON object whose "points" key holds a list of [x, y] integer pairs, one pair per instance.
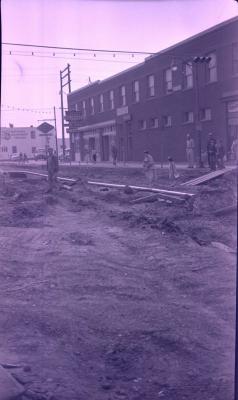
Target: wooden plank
{"points": [[225, 210], [143, 199], [145, 189], [46, 176], [207, 177]]}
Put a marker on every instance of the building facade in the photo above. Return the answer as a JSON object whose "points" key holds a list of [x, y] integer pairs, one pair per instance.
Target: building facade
{"points": [[191, 87], [28, 140]]}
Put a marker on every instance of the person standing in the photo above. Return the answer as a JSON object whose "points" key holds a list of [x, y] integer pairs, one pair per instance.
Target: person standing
{"points": [[52, 168], [190, 151], [234, 149], [220, 154], [211, 152], [94, 156], [87, 155], [149, 166], [114, 154], [173, 174]]}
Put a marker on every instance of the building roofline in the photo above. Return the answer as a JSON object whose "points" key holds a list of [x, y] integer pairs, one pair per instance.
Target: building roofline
{"points": [[197, 35], [85, 87], [161, 52]]}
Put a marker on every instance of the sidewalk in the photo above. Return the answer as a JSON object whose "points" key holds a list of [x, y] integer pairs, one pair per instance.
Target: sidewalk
{"points": [[108, 164]]}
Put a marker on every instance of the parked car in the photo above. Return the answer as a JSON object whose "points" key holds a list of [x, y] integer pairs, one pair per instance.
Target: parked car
{"points": [[40, 155], [65, 158], [15, 157]]}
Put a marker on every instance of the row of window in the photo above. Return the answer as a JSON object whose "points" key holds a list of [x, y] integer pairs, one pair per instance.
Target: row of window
{"points": [[4, 149], [188, 117], [169, 86], [169, 79]]}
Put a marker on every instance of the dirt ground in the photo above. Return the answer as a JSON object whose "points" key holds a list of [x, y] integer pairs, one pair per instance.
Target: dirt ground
{"points": [[105, 300]]}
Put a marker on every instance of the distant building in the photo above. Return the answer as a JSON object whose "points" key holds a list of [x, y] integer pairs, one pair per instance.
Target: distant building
{"points": [[155, 104], [28, 140]]}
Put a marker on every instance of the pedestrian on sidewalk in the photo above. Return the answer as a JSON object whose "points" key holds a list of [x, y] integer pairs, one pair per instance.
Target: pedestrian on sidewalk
{"points": [[173, 174], [149, 167], [114, 154], [52, 169], [190, 151], [220, 154], [94, 156], [211, 152], [234, 149], [20, 159], [25, 159], [87, 155]]}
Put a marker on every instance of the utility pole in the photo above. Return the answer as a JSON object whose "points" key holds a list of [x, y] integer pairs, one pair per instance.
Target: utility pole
{"points": [[197, 122], [196, 61], [56, 139], [64, 74]]}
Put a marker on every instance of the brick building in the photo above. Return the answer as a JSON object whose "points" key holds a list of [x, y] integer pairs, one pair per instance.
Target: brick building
{"points": [[155, 104]]}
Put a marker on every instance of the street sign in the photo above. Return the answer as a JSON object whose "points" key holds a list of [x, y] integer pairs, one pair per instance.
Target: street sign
{"points": [[122, 111], [73, 116]]}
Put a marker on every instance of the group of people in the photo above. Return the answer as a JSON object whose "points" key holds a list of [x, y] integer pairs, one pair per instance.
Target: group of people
{"points": [[92, 155], [150, 170], [215, 153], [23, 158]]}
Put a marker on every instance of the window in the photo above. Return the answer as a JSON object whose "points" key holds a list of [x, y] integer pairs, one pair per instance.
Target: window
{"points": [[76, 107], [135, 91], [91, 106], [101, 104], [188, 117], [84, 108], [33, 150], [151, 85], [122, 95], [142, 124], [205, 114], [167, 120], [168, 80], [212, 68], [4, 149], [14, 149], [235, 58], [154, 123], [111, 96], [188, 75], [33, 135]]}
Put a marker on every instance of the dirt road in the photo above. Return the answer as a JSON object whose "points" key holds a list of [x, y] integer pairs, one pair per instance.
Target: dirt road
{"points": [[108, 301]]}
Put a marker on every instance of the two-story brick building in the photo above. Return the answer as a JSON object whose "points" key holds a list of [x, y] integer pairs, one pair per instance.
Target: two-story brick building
{"points": [[155, 104]]}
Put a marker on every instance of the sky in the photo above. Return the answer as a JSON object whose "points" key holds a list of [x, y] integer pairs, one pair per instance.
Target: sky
{"points": [[31, 83]]}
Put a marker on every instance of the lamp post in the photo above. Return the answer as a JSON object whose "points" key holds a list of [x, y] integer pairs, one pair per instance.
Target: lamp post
{"points": [[195, 61], [199, 60]]}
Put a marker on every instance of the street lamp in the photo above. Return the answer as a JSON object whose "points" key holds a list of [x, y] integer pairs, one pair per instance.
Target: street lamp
{"points": [[199, 60], [196, 60]]}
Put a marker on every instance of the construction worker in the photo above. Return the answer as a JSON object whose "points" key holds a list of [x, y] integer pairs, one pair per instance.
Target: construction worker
{"points": [[149, 166], [220, 154], [234, 149], [173, 174], [211, 152], [114, 154], [190, 151], [52, 168]]}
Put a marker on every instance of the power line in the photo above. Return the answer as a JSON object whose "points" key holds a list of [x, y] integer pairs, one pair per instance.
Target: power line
{"points": [[70, 58], [78, 49]]}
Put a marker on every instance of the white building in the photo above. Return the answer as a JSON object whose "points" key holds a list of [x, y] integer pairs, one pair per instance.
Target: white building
{"points": [[28, 140]]}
